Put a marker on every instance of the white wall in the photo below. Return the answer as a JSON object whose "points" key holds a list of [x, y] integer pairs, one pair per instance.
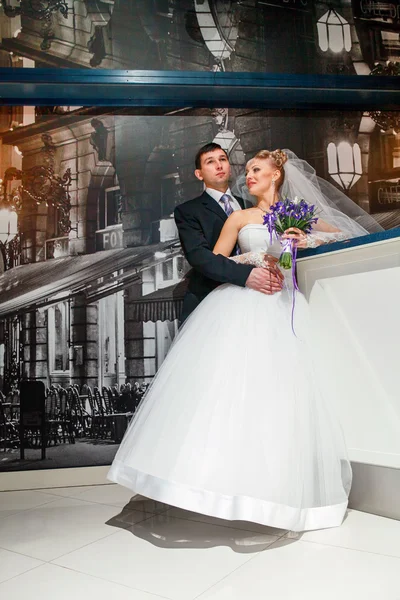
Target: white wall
{"points": [[354, 297], [360, 259]]}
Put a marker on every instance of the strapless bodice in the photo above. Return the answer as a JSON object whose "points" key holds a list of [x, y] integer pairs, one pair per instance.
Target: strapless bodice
{"points": [[255, 237]]}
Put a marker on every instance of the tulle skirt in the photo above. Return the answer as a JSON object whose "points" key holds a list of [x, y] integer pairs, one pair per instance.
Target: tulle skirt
{"points": [[235, 424]]}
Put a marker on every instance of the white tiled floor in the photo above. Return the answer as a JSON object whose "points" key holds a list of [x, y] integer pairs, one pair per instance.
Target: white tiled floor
{"points": [[98, 543]]}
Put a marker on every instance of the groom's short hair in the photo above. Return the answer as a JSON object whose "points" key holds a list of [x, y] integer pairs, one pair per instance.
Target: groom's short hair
{"points": [[204, 150]]}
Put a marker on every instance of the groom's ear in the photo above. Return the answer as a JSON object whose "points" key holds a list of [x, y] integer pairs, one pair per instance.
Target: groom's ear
{"points": [[198, 174]]}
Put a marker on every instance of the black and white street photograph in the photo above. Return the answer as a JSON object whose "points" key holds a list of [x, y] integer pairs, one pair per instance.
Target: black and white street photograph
{"points": [[93, 272], [349, 37]]}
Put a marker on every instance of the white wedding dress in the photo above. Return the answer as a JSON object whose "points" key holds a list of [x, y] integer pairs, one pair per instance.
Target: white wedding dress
{"points": [[234, 424]]}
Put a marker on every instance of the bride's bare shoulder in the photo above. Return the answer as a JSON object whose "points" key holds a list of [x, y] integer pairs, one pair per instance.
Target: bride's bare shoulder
{"points": [[237, 217], [251, 215], [240, 218]]}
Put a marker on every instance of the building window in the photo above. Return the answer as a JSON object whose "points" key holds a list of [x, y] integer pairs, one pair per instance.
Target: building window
{"points": [[391, 43], [344, 163], [168, 270], [333, 32], [384, 160], [111, 340], [110, 208], [58, 337], [108, 336]]}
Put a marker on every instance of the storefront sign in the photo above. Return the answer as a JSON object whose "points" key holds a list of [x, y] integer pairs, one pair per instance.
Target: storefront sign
{"points": [[384, 195], [377, 10], [110, 238]]}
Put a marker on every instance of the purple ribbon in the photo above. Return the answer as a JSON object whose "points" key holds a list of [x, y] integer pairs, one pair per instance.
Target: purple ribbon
{"points": [[294, 280], [290, 246], [270, 225]]}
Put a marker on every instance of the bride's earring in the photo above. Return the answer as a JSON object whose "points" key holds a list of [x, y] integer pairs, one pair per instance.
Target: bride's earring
{"points": [[273, 184]]}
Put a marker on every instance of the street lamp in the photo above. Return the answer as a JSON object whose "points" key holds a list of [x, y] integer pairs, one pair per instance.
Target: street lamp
{"points": [[344, 163], [333, 32], [218, 28], [38, 184]]}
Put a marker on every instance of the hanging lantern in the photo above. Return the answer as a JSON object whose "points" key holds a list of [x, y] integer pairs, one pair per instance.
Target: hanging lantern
{"points": [[218, 27], [344, 163], [333, 32]]}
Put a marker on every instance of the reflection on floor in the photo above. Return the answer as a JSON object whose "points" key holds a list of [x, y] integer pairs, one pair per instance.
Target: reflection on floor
{"points": [[84, 453], [97, 542]]}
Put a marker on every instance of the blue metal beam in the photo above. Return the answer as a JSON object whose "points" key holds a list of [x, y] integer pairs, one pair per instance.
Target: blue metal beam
{"points": [[352, 243], [81, 87]]}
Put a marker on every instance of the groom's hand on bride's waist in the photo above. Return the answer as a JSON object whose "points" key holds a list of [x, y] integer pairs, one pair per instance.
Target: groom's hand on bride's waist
{"points": [[268, 279], [272, 261]]}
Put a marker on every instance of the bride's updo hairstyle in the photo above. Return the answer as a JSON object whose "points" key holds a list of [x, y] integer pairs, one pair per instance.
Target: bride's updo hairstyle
{"points": [[277, 158]]}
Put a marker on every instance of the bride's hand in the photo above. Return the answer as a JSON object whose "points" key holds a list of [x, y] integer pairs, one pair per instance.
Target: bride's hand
{"points": [[293, 233]]}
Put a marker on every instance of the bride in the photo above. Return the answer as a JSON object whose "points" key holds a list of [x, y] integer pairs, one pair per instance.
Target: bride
{"points": [[235, 424]]}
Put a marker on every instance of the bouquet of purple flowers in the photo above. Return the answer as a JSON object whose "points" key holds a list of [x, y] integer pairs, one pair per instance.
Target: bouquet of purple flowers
{"points": [[285, 214]]}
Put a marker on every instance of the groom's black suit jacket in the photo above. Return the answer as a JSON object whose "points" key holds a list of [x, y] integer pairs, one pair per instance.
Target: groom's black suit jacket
{"points": [[199, 223]]}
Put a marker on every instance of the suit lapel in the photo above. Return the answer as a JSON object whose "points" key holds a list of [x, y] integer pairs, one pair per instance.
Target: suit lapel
{"points": [[212, 205]]}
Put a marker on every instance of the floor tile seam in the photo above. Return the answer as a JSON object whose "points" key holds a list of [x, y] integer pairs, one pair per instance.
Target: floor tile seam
{"points": [[21, 510], [22, 554], [99, 539], [50, 560], [236, 569], [59, 499], [98, 578], [350, 549], [23, 572]]}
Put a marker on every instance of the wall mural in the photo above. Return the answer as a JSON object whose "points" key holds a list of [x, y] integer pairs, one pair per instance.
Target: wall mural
{"points": [[91, 270], [288, 36]]}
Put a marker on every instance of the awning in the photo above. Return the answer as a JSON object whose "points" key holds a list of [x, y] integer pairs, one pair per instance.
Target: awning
{"points": [[389, 219], [161, 305], [40, 284]]}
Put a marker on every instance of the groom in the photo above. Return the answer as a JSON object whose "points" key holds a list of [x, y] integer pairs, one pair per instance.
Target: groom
{"points": [[200, 222]]}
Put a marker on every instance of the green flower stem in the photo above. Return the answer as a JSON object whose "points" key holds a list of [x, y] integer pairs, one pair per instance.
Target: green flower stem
{"points": [[285, 260]]}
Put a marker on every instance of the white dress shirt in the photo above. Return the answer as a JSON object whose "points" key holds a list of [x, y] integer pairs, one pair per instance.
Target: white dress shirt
{"points": [[217, 195]]}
